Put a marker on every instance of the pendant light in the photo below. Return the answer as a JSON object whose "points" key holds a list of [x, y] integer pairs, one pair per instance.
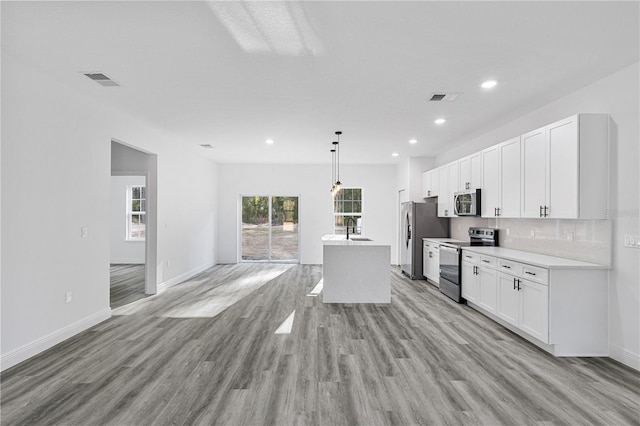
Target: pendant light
{"points": [[337, 145], [333, 171]]}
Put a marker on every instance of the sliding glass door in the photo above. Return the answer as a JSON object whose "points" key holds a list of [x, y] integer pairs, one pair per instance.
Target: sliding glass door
{"points": [[269, 229]]}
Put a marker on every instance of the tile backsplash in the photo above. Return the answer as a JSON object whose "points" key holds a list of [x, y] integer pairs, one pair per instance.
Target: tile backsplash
{"points": [[585, 240]]}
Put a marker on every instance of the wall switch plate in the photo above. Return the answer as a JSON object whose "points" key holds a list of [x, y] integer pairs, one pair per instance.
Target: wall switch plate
{"points": [[68, 297], [84, 231]]}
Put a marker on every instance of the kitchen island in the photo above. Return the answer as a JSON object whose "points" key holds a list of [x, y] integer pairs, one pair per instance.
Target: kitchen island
{"points": [[357, 270]]}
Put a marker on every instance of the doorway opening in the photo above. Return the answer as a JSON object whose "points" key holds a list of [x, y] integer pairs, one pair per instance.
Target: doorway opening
{"points": [[269, 229], [133, 230]]}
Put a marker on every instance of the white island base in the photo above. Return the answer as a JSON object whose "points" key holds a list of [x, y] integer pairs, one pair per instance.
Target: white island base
{"points": [[355, 271]]}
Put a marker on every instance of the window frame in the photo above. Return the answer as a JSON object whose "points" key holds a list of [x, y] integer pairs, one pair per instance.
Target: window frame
{"points": [[341, 230], [130, 213]]}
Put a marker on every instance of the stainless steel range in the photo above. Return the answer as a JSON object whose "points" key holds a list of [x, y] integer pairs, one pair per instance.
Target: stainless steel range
{"points": [[450, 260]]}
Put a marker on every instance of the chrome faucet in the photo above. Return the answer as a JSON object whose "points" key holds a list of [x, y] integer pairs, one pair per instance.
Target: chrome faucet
{"points": [[353, 222]]}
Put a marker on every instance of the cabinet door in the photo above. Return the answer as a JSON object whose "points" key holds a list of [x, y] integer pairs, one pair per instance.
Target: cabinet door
{"points": [[464, 180], [510, 178], [475, 173], [435, 183], [470, 288], [507, 306], [534, 309], [434, 268], [488, 290], [443, 191], [425, 259], [426, 184], [562, 170], [533, 173], [490, 181], [453, 184]]}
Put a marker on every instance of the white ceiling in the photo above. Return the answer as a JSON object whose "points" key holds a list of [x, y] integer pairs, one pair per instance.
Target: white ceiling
{"points": [[234, 74]]}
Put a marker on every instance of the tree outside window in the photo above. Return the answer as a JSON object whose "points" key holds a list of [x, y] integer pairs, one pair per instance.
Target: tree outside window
{"points": [[347, 210], [136, 213]]}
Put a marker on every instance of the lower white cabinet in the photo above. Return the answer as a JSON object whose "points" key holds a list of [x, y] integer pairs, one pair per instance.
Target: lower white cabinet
{"points": [[524, 304], [431, 261], [558, 304]]}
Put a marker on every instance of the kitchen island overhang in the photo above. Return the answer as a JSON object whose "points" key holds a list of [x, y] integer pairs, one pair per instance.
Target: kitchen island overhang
{"points": [[355, 271]]}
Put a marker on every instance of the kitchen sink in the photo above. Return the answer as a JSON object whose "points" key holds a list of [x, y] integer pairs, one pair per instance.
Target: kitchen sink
{"points": [[360, 239]]}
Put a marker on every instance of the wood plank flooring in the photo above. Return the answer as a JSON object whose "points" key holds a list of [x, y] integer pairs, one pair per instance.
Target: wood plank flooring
{"points": [[127, 284], [423, 359]]}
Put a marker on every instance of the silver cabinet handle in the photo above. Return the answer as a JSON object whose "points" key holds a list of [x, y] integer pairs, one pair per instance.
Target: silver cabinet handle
{"points": [[485, 261], [530, 273], [505, 266], [540, 211]]}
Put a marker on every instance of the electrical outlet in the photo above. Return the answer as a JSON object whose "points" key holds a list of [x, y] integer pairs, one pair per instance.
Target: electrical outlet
{"points": [[532, 233], [168, 263], [84, 231], [507, 231], [570, 236], [68, 297]]}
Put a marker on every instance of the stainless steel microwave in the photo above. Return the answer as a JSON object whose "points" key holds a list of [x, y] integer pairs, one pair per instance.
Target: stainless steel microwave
{"points": [[467, 203]]}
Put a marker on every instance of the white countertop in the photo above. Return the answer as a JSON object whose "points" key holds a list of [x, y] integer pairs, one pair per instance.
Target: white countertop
{"points": [[444, 240], [535, 259], [341, 240]]}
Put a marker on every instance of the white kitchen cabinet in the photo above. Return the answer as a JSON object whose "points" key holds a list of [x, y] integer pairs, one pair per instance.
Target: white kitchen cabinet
{"points": [[470, 172], [470, 282], [487, 286], [565, 168], [501, 180], [431, 261], [507, 296], [447, 186], [430, 184], [533, 314]]}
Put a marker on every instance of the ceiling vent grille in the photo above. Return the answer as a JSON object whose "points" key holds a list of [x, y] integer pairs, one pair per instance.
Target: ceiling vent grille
{"points": [[101, 79], [448, 97], [206, 146]]}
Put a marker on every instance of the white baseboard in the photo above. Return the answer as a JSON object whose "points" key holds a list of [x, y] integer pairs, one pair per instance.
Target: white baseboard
{"points": [[52, 339], [126, 262], [624, 356], [183, 277]]}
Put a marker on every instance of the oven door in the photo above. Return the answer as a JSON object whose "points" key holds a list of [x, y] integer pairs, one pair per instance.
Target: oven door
{"points": [[450, 264]]}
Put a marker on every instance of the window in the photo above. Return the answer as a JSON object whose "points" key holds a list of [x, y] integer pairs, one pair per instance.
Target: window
{"points": [[136, 212], [347, 203]]}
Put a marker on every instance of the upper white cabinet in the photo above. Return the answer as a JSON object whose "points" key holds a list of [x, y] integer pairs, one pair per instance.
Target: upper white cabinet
{"points": [[565, 169], [470, 176], [430, 183], [557, 171], [501, 179], [447, 186]]}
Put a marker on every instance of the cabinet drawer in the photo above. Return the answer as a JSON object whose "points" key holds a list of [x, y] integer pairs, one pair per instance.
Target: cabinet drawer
{"points": [[535, 273], [470, 257], [509, 267], [488, 261]]}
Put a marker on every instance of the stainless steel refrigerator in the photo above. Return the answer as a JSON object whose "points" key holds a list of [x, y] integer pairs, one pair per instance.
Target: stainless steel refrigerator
{"points": [[418, 221]]}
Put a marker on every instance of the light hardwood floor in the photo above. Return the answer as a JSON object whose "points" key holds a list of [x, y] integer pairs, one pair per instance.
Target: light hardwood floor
{"points": [[169, 359]]}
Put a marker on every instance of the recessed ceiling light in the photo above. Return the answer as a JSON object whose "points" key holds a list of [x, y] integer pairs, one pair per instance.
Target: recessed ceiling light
{"points": [[269, 141], [439, 121], [488, 84], [395, 154], [413, 141]]}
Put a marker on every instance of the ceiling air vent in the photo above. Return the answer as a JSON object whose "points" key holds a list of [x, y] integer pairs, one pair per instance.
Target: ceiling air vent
{"points": [[206, 146], [101, 79], [449, 97]]}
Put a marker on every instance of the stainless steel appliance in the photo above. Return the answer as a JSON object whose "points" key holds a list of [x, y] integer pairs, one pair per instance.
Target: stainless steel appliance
{"points": [[418, 221], [450, 260], [467, 203]]}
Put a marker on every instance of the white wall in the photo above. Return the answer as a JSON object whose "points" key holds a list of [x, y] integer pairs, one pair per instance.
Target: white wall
{"points": [[618, 95], [56, 147], [312, 184], [122, 250]]}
